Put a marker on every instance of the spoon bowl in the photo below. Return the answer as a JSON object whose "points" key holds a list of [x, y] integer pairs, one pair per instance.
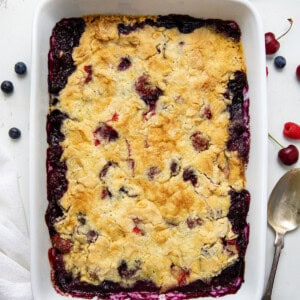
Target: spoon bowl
{"points": [[283, 216], [284, 203]]}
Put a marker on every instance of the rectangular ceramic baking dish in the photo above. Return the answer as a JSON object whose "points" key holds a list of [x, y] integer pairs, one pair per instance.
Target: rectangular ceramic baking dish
{"points": [[51, 11]]}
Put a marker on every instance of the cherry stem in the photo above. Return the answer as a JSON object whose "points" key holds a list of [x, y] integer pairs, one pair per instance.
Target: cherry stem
{"points": [[271, 137], [291, 24]]}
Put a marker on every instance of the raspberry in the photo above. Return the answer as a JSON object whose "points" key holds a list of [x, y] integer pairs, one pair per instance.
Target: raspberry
{"points": [[291, 130]]}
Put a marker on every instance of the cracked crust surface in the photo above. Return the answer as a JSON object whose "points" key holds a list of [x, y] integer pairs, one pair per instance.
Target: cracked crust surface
{"points": [[155, 196]]}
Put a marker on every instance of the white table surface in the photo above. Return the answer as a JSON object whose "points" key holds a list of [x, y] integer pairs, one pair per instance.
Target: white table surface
{"points": [[283, 105]]}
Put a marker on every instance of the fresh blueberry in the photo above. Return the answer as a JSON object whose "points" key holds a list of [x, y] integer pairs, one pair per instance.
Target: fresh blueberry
{"points": [[20, 68], [14, 133], [7, 87], [279, 62]]}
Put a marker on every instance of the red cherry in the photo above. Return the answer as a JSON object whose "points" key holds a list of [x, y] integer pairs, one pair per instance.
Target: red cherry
{"points": [[298, 72], [271, 42], [272, 45], [289, 155]]}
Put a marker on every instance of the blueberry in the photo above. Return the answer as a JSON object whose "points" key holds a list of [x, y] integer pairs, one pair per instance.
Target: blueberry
{"points": [[20, 68], [14, 133], [7, 87], [279, 62]]}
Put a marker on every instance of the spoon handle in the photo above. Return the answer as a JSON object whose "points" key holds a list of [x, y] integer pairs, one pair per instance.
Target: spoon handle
{"points": [[279, 243]]}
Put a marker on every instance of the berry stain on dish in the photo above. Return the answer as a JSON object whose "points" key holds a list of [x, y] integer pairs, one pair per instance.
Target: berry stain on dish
{"points": [[272, 43]]}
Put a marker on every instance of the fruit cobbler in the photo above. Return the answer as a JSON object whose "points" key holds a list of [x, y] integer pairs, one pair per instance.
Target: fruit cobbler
{"points": [[148, 134]]}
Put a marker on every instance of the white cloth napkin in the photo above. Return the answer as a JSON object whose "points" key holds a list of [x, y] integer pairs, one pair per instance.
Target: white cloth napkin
{"points": [[14, 242]]}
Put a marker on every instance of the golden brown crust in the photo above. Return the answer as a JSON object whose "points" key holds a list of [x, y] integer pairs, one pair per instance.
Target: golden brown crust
{"points": [[142, 211]]}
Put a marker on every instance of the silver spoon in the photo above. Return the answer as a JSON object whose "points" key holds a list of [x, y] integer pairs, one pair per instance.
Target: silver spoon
{"points": [[283, 216]]}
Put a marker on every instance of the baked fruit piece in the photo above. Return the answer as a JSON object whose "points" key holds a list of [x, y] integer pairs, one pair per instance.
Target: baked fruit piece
{"points": [[148, 133]]}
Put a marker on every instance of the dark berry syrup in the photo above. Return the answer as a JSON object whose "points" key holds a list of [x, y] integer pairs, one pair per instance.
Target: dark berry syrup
{"points": [[65, 36], [239, 132]]}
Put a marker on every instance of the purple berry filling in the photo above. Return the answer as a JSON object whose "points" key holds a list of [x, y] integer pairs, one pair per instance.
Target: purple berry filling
{"points": [[124, 64], [199, 141], [189, 175], [54, 123], [194, 222], [106, 193], [92, 236], [239, 133], [66, 284], [175, 168], [54, 211], [65, 36], [89, 70], [238, 211], [152, 172], [57, 183], [104, 170], [228, 282], [186, 24], [56, 169], [106, 132], [127, 29], [125, 272], [148, 93]]}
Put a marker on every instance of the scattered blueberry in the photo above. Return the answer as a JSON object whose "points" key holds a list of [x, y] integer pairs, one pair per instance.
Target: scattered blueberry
{"points": [[279, 62], [20, 68], [14, 133], [7, 87]]}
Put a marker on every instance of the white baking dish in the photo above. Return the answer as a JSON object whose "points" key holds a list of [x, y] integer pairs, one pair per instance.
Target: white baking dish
{"points": [[51, 11]]}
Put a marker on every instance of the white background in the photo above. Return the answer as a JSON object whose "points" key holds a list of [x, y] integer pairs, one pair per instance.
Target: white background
{"points": [[16, 18]]}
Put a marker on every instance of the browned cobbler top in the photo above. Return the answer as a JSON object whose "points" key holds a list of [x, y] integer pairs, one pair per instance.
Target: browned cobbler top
{"points": [[147, 141]]}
